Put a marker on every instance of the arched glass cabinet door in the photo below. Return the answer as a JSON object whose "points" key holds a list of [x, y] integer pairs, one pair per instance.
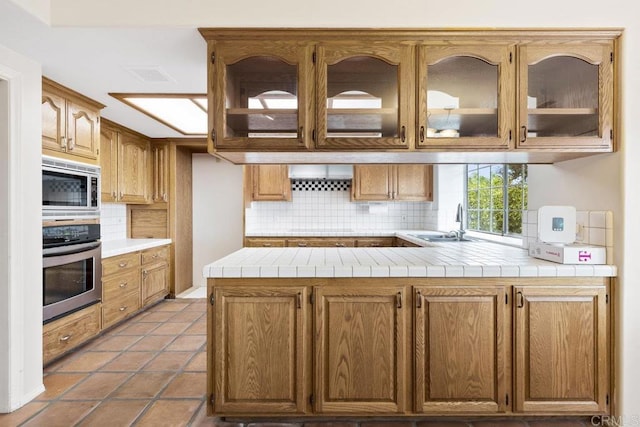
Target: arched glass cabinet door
{"points": [[363, 96], [466, 96], [566, 96], [260, 96]]}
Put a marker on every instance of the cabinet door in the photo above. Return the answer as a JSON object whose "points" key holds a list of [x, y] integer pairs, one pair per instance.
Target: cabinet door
{"points": [[133, 169], [364, 95], [160, 181], [271, 182], [261, 95], [466, 96], [360, 340], [155, 282], [372, 182], [108, 164], [83, 131], [460, 349], [53, 122], [259, 357], [561, 349], [566, 96], [413, 182]]}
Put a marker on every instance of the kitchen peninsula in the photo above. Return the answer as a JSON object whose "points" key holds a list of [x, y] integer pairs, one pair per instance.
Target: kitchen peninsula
{"points": [[471, 328]]}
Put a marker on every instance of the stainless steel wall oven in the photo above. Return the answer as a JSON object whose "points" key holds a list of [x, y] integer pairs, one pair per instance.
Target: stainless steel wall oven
{"points": [[72, 271]]}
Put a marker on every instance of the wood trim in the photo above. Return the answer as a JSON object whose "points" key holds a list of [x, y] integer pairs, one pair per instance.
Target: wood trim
{"points": [[48, 84]]}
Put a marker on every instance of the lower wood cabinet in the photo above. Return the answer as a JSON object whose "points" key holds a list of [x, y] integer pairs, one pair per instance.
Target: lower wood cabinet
{"points": [[64, 334], [261, 349], [561, 349], [360, 340], [461, 348], [409, 347]]}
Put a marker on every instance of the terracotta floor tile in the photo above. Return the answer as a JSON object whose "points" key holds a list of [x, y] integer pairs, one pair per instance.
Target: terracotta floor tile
{"points": [[152, 343], [187, 385], [170, 305], [115, 413], [199, 305], [143, 385], [197, 328], [186, 316], [501, 423], [58, 383], [331, 424], [187, 343], [558, 423], [169, 361], [139, 328], [171, 328], [198, 363], [129, 361], [19, 416], [87, 361], [114, 343], [452, 423], [156, 316], [61, 414], [391, 424], [97, 386], [170, 413]]}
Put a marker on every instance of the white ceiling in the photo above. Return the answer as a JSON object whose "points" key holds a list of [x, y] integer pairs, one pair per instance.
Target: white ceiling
{"points": [[94, 61]]}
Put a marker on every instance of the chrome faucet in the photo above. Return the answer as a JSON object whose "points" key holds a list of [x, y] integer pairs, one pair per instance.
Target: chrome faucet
{"points": [[460, 232]]}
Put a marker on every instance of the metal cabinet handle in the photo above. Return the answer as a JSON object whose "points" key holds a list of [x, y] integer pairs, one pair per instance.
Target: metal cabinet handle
{"points": [[523, 135], [123, 308], [399, 300], [114, 195], [520, 299], [123, 264], [63, 142], [418, 300], [340, 245], [266, 245], [403, 134], [70, 143], [301, 136], [421, 133], [164, 197], [302, 245], [123, 285], [65, 338]]}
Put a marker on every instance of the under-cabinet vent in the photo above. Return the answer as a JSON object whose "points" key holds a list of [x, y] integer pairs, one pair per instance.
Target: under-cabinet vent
{"points": [[320, 185]]}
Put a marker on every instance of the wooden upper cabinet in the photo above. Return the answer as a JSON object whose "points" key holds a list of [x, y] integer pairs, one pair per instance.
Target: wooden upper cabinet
{"points": [[108, 164], [270, 183], [561, 349], [360, 338], [466, 96], [260, 95], [404, 182], [364, 95], [133, 169], [461, 350], [258, 362], [160, 172], [70, 124], [566, 95]]}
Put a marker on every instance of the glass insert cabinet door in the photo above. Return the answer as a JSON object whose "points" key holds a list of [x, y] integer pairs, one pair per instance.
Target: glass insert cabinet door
{"points": [[363, 96], [566, 96], [260, 95], [466, 96]]}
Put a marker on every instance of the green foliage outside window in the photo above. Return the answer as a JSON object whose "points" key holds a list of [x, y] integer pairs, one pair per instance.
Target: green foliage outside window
{"points": [[496, 198]]}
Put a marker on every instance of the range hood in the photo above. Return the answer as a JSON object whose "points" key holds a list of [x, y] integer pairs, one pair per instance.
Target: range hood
{"points": [[321, 171]]}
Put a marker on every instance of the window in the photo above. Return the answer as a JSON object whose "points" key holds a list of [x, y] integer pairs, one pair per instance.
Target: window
{"points": [[496, 198]]}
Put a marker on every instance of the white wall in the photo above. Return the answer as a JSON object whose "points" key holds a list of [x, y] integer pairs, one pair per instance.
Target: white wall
{"points": [[20, 231], [217, 211], [449, 181]]}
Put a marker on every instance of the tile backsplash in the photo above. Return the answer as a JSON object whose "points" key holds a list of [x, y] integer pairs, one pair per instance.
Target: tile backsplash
{"points": [[113, 221], [328, 206], [592, 228]]}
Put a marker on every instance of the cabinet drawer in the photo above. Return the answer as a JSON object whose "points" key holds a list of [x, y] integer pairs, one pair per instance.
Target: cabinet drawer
{"points": [[119, 263], [379, 242], [70, 331], [321, 243], [120, 285], [155, 254], [120, 308], [264, 243]]}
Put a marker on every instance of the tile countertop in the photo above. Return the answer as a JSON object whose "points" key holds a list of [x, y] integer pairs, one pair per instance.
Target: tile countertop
{"points": [[118, 247], [451, 259]]}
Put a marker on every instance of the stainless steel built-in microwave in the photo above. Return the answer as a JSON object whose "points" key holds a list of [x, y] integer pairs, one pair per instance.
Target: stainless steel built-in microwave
{"points": [[70, 190]]}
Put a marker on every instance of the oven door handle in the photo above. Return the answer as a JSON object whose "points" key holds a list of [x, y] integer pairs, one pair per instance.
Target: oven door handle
{"points": [[70, 249]]}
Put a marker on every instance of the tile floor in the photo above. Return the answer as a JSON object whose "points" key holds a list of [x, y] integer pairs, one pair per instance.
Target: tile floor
{"points": [[148, 371], [151, 371]]}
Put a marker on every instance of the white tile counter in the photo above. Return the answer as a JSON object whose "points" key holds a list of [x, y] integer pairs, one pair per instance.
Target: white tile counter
{"points": [[452, 259], [118, 247]]}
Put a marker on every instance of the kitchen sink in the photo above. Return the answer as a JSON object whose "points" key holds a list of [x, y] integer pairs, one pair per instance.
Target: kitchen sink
{"points": [[442, 238]]}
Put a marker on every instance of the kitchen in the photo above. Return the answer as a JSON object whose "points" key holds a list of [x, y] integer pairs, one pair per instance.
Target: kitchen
{"points": [[566, 177]]}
